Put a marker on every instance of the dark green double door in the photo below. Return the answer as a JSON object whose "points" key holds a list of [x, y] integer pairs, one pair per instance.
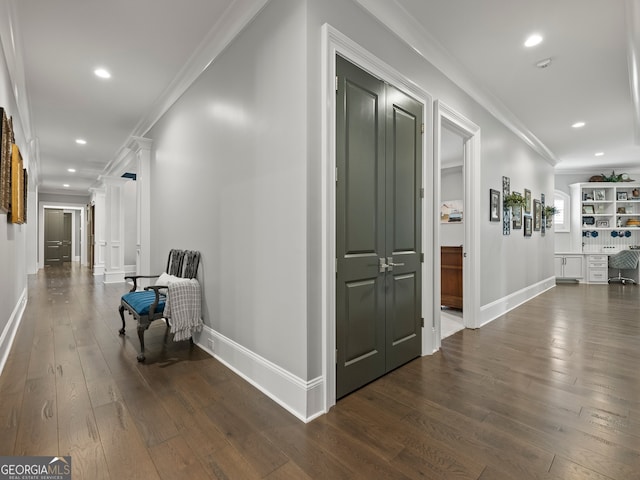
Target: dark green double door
{"points": [[378, 228], [57, 236]]}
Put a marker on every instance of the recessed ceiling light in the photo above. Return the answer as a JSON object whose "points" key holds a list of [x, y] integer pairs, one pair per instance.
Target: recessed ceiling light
{"points": [[102, 73], [81, 141], [533, 40], [71, 170], [578, 125], [66, 185], [599, 154]]}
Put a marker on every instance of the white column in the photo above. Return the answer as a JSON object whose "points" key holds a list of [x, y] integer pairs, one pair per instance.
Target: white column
{"points": [[98, 196], [141, 147], [114, 229]]}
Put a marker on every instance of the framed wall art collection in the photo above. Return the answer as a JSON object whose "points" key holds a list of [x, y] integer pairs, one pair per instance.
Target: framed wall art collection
{"points": [[523, 210], [13, 175]]}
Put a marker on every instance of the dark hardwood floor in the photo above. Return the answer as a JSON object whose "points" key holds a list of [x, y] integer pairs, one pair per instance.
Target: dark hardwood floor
{"points": [[549, 391]]}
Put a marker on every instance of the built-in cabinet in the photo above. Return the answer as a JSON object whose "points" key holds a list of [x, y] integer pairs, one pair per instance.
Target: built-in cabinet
{"points": [[597, 268], [568, 266], [605, 217]]}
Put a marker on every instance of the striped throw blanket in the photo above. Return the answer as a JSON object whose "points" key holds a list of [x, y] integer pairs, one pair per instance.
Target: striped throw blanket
{"points": [[183, 309]]}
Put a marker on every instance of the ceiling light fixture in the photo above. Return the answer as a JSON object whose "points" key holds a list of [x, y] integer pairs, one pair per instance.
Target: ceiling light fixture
{"points": [[81, 141], [578, 125], [102, 73], [66, 185], [599, 154], [533, 40], [71, 170]]}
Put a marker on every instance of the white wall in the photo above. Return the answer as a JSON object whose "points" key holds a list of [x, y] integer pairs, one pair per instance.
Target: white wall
{"points": [[229, 179], [13, 238]]}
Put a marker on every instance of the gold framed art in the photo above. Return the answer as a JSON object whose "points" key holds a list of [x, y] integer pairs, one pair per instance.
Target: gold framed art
{"points": [[17, 186], [5, 162]]}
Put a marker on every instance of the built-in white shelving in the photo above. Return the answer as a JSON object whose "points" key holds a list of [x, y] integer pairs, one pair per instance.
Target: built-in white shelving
{"points": [[605, 217]]}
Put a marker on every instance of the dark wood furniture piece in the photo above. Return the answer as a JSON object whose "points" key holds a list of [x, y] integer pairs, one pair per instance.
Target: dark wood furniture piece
{"points": [[451, 277], [148, 305]]}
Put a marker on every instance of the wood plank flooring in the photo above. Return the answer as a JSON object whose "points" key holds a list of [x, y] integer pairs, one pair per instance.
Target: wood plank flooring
{"points": [[550, 390]]}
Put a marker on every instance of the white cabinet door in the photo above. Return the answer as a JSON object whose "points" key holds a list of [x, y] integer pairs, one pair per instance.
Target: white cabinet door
{"points": [[568, 266], [573, 267], [558, 264]]}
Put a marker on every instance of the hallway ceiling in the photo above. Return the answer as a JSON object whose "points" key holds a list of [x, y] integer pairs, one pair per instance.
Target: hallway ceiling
{"points": [[147, 44]]}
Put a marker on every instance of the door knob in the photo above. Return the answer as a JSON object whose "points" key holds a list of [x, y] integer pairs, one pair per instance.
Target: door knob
{"points": [[390, 263], [382, 267]]}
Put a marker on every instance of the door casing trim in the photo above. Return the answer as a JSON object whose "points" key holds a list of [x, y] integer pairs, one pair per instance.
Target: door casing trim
{"points": [[335, 43], [471, 168]]}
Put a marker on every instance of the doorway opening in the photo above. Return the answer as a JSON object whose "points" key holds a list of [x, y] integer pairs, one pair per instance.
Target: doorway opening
{"points": [[457, 173], [75, 215], [452, 192]]}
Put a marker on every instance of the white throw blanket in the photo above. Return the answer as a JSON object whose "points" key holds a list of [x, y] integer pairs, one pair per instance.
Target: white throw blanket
{"points": [[183, 309]]}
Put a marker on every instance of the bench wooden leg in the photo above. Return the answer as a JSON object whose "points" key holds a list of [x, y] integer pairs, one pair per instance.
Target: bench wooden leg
{"points": [[141, 337], [121, 310]]}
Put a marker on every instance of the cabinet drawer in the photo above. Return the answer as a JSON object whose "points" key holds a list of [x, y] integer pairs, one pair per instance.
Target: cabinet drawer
{"points": [[598, 275], [598, 258], [593, 264]]}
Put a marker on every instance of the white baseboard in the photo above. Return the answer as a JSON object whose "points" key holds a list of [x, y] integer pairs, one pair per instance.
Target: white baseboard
{"points": [[304, 399], [114, 277], [130, 269], [98, 270], [493, 310], [9, 332]]}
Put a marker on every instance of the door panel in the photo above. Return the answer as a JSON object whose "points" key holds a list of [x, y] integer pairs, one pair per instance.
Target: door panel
{"points": [[65, 248], [404, 228], [362, 181], [53, 233], [402, 169], [360, 330], [378, 228]]}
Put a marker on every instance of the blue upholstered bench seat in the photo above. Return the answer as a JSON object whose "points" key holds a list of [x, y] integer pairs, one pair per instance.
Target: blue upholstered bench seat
{"points": [[142, 300]]}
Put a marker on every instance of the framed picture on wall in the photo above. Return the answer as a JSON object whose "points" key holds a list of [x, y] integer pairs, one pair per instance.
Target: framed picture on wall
{"points": [[516, 213], [494, 205], [537, 215], [528, 224], [5, 162], [527, 199], [451, 211]]}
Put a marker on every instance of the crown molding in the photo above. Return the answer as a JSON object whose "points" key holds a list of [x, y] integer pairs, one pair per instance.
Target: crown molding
{"points": [[409, 30], [633, 57], [234, 19], [11, 40]]}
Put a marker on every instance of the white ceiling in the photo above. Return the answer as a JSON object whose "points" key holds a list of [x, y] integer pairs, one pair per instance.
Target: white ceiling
{"points": [[148, 44]]}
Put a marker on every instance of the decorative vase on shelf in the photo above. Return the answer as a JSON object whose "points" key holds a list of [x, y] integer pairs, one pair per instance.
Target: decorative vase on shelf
{"points": [[635, 192]]}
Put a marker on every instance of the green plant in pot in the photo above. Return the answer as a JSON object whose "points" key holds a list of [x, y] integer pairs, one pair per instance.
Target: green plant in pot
{"points": [[514, 200], [549, 212]]}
